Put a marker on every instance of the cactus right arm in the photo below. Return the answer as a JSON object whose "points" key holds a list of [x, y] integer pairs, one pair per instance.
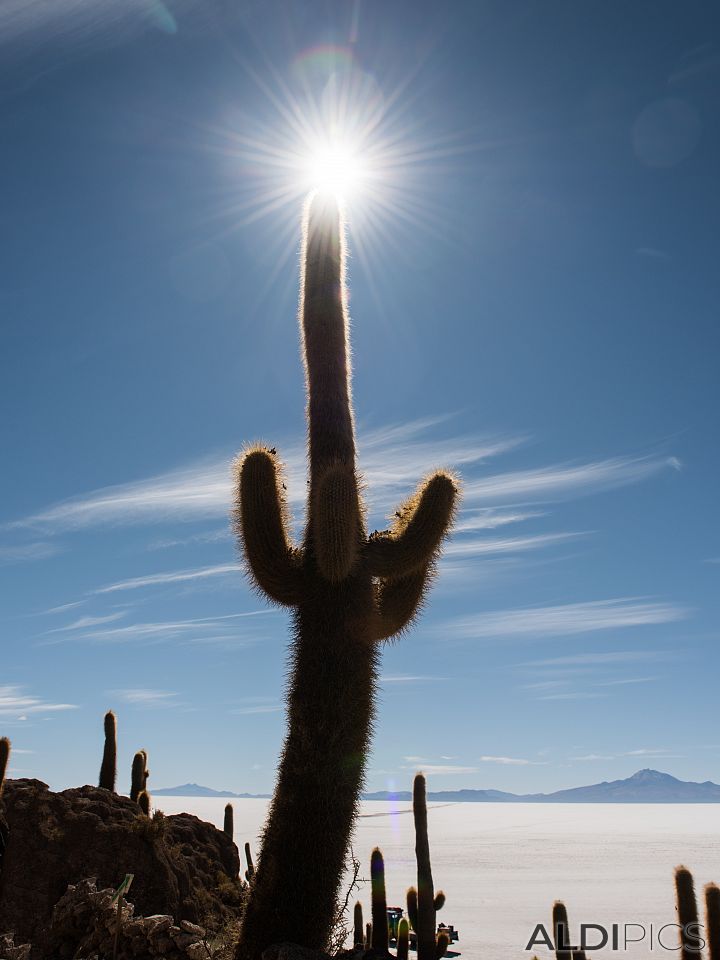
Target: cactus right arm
{"points": [[398, 602], [422, 524], [260, 523]]}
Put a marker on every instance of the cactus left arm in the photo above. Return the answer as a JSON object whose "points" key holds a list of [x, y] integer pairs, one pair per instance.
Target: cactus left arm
{"points": [[422, 523]]}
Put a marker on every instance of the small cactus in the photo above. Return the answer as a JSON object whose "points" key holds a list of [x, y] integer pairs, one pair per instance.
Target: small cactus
{"points": [[228, 821], [4, 757], [143, 801], [108, 770], [250, 872], [712, 920], [687, 914], [561, 935], [561, 931], [139, 776], [403, 940], [358, 929], [368, 936], [379, 903]]}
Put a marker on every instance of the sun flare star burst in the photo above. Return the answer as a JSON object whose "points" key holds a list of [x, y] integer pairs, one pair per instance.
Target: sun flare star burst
{"points": [[335, 168]]}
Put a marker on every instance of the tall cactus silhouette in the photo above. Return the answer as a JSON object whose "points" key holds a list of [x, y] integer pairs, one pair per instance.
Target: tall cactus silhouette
{"points": [[423, 903], [108, 770], [348, 592]]}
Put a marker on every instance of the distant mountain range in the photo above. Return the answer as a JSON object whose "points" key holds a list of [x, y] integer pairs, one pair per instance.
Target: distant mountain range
{"points": [[645, 786], [195, 790]]}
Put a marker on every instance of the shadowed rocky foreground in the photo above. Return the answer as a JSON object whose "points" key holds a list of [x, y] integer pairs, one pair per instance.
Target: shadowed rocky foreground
{"points": [[186, 885]]}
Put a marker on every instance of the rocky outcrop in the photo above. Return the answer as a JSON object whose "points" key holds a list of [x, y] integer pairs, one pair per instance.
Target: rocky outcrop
{"points": [[86, 923], [183, 867]]}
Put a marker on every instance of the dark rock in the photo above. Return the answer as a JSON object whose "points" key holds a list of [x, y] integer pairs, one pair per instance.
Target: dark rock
{"points": [[182, 866]]}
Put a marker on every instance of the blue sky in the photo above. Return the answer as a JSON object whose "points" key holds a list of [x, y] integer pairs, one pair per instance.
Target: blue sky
{"points": [[534, 294]]}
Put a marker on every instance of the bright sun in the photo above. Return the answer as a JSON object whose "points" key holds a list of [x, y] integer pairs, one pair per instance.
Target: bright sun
{"points": [[335, 168]]}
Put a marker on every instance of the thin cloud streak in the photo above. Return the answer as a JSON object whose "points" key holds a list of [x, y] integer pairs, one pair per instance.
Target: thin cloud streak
{"points": [[566, 619], [195, 630], [27, 553], [486, 546], [171, 576], [511, 761], [602, 658], [556, 482], [145, 697], [14, 701]]}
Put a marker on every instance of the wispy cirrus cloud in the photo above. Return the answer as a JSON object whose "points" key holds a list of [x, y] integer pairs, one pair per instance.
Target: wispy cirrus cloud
{"points": [[256, 706], [144, 697], [512, 761], [17, 704], [170, 576], [197, 630], [566, 619], [657, 753], [567, 480], [393, 459], [28, 552], [438, 769], [601, 658], [487, 546], [86, 623], [573, 695], [409, 678]]}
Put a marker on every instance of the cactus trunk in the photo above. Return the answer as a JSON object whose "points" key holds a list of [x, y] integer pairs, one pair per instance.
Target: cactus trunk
{"points": [[348, 592]]}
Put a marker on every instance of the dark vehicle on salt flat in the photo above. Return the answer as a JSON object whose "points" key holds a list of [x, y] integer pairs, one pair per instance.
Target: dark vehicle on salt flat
{"points": [[395, 915]]}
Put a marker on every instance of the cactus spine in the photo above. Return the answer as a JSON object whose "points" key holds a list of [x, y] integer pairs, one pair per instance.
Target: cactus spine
{"points": [[349, 591], [228, 821], [712, 920], [358, 929], [424, 903], [4, 758], [687, 914], [108, 770], [380, 941], [139, 775]]}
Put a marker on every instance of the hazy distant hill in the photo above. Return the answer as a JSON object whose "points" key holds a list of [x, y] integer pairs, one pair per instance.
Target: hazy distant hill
{"points": [[195, 790], [645, 786]]}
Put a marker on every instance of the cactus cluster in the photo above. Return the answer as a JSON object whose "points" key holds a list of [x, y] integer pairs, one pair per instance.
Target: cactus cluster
{"points": [[692, 936], [348, 591], [422, 901]]}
